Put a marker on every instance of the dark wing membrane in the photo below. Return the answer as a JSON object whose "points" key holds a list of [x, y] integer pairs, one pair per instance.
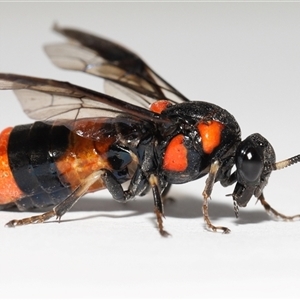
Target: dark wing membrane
{"points": [[49, 100], [130, 77]]}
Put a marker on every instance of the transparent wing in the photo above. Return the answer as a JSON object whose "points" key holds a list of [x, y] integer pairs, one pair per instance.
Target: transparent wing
{"points": [[129, 75], [49, 100]]}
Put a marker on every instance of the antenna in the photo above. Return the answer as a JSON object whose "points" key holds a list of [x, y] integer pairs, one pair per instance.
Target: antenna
{"points": [[286, 163]]}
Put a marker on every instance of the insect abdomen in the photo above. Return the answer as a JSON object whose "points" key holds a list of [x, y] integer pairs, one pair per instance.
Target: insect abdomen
{"points": [[28, 155]]}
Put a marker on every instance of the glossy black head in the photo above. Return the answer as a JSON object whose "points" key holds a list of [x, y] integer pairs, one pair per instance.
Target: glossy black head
{"points": [[254, 160]]}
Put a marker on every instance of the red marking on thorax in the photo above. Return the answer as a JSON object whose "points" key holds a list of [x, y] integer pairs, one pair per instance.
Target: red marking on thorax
{"points": [[175, 158], [160, 105], [9, 190], [210, 133]]}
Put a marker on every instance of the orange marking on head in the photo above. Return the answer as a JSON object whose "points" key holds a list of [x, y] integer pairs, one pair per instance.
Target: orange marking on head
{"points": [[176, 155], [210, 133], [160, 105], [9, 190]]}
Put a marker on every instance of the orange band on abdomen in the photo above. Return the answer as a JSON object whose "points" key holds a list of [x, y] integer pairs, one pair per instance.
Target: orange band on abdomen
{"points": [[9, 190]]}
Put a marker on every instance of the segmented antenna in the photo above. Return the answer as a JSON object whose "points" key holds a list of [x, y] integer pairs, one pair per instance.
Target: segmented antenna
{"points": [[286, 163]]}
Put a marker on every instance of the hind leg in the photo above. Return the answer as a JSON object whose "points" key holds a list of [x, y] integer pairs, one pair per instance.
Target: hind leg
{"points": [[59, 210], [274, 213]]}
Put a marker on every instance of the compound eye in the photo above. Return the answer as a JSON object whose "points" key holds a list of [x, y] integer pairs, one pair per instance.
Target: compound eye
{"points": [[249, 164]]}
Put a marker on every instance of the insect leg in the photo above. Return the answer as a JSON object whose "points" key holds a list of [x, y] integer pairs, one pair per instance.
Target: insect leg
{"points": [[60, 209], [206, 195], [274, 213], [34, 219], [166, 191], [164, 194], [113, 186], [138, 186], [158, 204]]}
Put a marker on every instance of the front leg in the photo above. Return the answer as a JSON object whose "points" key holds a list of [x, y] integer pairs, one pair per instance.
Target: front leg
{"points": [[206, 195]]}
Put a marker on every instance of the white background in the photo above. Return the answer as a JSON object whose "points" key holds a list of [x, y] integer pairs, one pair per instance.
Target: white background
{"points": [[243, 57]]}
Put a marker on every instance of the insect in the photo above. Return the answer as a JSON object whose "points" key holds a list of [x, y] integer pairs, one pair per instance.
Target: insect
{"points": [[142, 131]]}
